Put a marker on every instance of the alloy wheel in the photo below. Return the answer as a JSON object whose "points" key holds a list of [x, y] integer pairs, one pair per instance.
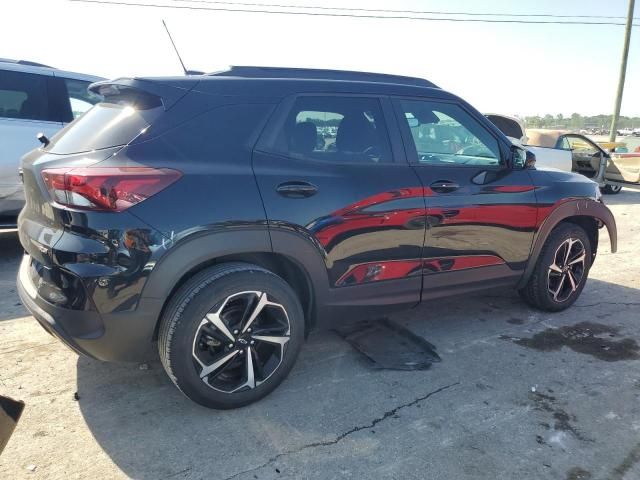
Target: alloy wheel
{"points": [[567, 270], [241, 342]]}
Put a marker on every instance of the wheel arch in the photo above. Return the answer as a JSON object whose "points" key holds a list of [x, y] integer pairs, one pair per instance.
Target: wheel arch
{"points": [[190, 256], [589, 214]]}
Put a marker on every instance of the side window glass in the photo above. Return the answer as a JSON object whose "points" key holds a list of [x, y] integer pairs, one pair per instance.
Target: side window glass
{"points": [[564, 143], [80, 98], [581, 146], [23, 95], [336, 129], [445, 134]]}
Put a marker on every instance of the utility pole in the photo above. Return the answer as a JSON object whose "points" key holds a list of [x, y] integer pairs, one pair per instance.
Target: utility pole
{"points": [[623, 72]]}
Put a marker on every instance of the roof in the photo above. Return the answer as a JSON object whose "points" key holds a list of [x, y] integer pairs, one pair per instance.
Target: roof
{"points": [[320, 74], [27, 66], [264, 87], [540, 137], [24, 62]]}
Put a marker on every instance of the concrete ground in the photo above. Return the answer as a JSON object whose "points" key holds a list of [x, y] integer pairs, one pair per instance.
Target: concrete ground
{"points": [[518, 394]]}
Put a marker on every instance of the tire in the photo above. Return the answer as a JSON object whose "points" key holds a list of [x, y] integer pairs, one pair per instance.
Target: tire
{"points": [[208, 331], [611, 189], [545, 289]]}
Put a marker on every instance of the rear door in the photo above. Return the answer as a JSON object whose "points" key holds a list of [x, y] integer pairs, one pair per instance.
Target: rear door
{"points": [[329, 168], [481, 214]]}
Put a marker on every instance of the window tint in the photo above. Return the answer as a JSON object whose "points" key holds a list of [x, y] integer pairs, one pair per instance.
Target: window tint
{"points": [[445, 134], [336, 129], [81, 99], [115, 121], [23, 95]]}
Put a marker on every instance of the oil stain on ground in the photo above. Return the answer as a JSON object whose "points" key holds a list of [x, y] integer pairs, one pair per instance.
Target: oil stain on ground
{"points": [[563, 421], [577, 473], [589, 338]]}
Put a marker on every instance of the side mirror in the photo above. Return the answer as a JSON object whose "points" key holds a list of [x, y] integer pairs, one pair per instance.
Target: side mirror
{"points": [[522, 159]]}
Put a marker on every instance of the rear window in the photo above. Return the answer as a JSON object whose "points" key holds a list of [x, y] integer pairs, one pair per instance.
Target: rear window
{"points": [[113, 122]]}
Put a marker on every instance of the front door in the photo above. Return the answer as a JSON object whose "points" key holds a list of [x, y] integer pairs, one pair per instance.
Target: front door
{"points": [[329, 168], [481, 214]]}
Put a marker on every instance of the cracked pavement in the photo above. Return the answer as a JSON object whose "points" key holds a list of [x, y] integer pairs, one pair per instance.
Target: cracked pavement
{"points": [[493, 408]]}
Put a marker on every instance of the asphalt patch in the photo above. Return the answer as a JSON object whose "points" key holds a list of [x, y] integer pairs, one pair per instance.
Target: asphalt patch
{"points": [[597, 340], [389, 345]]}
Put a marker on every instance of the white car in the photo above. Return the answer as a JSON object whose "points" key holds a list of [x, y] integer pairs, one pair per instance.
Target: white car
{"points": [[34, 99], [573, 152], [546, 158]]}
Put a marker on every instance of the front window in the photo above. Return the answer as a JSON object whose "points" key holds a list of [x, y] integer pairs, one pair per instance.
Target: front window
{"points": [[581, 145], [444, 134]]}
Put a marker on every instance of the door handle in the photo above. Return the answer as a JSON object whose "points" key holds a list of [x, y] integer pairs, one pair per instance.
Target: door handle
{"points": [[444, 186], [297, 189]]}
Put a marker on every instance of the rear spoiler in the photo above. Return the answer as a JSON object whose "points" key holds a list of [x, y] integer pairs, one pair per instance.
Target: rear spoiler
{"points": [[169, 91]]}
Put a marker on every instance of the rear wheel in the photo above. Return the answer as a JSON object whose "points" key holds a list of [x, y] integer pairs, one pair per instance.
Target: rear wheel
{"points": [[230, 335], [561, 270], [611, 189]]}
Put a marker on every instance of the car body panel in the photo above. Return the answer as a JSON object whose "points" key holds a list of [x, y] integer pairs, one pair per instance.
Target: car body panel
{"points": [[624, 167], [359, 241]]}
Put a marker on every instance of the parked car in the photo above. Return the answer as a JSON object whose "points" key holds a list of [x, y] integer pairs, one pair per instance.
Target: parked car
{"points": [[573, 152], [611, 170], [546, 157], [34, 99], [200, 216]]}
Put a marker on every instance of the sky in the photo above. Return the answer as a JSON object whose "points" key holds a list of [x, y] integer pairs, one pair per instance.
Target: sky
{"points": [[516, 69]]}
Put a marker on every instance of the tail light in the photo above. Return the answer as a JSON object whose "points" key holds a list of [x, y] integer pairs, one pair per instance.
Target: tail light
{"points": [[112, 189]]}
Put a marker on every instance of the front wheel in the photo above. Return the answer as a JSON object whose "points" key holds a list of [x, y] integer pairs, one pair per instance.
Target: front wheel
{"points": [[611, 189], [561, 270], [230, 335]]}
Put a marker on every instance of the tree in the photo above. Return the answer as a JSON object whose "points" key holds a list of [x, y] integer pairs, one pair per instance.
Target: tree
{"points": [[576, 121]]}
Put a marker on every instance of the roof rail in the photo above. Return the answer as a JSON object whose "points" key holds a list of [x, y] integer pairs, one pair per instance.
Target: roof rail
{"points": [[320, 74], [24, 62]]}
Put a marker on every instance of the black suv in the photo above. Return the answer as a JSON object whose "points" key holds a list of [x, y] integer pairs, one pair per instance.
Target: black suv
{"points": [[223, 216]]}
